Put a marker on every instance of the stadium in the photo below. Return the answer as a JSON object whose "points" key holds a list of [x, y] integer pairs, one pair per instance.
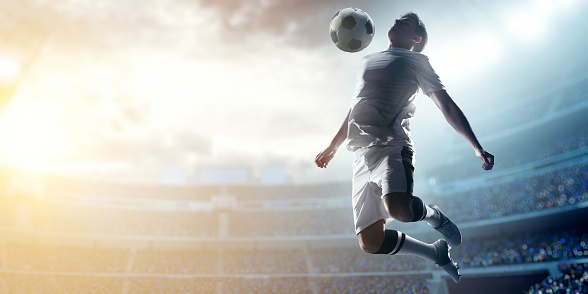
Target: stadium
{"points": [[236, 229], [524, 228]]}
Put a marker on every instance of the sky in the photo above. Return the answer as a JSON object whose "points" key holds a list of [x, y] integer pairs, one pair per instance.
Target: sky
{"points": [[129, 90]]}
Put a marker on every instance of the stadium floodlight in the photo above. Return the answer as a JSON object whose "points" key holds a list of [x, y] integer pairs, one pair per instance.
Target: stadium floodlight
{"points": [[530, 26], [532, 19], [479, 51], [9, 69], [20, 43]]}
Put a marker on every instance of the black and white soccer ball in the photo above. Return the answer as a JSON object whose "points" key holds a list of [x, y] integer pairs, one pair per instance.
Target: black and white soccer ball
{"points": [[352, 29]]}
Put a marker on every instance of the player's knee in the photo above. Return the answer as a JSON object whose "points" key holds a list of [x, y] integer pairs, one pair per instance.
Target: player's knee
{"points": [[399, 207], [369, 246], [402, 216], [371, 238]]}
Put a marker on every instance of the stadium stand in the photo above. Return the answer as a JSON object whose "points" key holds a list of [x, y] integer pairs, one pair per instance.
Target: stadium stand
{"points": [[522, 224], [572, 279]]}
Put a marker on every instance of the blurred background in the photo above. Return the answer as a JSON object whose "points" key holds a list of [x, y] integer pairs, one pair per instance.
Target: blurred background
{"points": [[168, 146]]}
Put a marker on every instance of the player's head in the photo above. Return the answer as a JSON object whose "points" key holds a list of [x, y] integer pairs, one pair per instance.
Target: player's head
{"points": [[409, 32]]}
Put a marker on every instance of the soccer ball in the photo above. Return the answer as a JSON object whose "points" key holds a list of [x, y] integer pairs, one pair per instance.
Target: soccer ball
{"points": [[352, 29]]}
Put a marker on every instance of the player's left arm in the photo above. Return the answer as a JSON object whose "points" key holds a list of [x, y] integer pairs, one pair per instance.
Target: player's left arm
{"points": [[457, 119]]}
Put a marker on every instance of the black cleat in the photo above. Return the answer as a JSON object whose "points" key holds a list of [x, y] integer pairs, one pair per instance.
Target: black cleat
{"points": [[447, 228], [444, 260]]}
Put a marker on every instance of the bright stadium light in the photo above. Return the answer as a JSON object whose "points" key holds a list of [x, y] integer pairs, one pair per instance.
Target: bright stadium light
{"points": [[532, 18], [10, 70], [477, 53], [526, 25], [484, 49], [31, 137], [21, 40]]}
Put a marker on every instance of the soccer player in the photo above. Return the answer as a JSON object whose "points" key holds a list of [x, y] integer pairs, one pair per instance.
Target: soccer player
{"points": [[377, 131]]}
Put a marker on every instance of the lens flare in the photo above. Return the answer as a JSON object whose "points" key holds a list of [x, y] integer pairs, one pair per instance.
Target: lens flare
{"points": [[9, 69]]}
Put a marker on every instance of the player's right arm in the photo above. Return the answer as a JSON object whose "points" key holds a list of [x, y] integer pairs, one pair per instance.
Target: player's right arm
{"points": [[325, 156], [459, 122]]}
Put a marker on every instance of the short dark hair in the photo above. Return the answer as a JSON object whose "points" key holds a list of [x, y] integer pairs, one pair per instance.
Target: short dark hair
{"points": [[420, 30]]}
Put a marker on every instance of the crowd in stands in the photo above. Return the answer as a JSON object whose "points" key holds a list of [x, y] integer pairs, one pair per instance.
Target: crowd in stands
{"points": [[120, 221], [106, 270], [165, 285], [81, 187], [292, 222], [572, 280], [537, 110], [69, 259], [373, 284], [578, 94], [514, 116], [531, 247], [64, 259], [460, 168], [265, 261], [154, 261], [52, 284], [324, 190], [274, 285], [7, 209], [86, 188], [354, 260], [556, 188], [58, 284], [541, 190], [525, 248]]}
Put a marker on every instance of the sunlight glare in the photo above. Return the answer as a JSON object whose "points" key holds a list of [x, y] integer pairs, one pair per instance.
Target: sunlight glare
{"points": [[479, 52], [9, 69], [32, 140]]}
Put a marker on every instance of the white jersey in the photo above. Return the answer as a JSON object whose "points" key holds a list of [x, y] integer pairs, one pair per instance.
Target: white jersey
{"points": [[384, 102]]}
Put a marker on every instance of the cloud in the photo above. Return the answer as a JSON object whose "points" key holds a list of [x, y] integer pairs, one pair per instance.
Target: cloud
{"points": [[148, 151], [302, 23], [147, 84], [154, 83]]}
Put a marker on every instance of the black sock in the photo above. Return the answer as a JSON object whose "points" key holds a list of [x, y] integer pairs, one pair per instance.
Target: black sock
{"points": [[399, 243], [393, 241]]}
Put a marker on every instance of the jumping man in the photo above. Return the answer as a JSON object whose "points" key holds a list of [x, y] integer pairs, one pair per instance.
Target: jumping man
{"points": [[377, 131]]}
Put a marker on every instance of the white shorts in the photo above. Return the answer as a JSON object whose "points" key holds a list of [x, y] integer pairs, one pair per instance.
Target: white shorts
{"points": [[377, 171]]}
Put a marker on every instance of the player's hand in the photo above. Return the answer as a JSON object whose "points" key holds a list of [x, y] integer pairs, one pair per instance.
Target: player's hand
{"points": [[486, 157], [323, 158]]}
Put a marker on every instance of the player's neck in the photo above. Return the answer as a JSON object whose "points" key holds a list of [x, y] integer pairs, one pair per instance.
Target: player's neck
{"points": [[403, 46]]}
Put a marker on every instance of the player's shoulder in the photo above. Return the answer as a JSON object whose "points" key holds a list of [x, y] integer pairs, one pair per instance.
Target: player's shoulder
{"points": [[383, 54], [418, 58], [414, 54], [372, 55], [394, 53], [405, 53]]}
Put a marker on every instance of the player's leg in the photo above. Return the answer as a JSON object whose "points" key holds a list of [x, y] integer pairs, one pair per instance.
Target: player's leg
{"points": [[408, 208], [375, 239], [371, 166], [402, 205], [371, 238]]}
